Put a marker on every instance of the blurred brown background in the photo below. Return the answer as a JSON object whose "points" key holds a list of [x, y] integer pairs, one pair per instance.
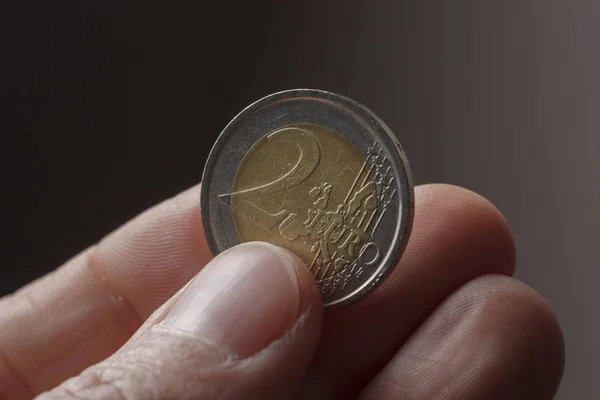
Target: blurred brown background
{"points": [[108, 107]]}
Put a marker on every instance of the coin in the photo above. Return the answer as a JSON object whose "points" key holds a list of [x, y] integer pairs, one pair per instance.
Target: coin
{"points": [[320, 175]]}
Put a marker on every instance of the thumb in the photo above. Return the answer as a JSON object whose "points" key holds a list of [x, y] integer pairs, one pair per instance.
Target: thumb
{"points": [[245, 328]]}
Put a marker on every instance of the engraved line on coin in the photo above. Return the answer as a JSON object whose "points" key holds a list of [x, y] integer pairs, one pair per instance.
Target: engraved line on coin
{"points": [[355, 180]]}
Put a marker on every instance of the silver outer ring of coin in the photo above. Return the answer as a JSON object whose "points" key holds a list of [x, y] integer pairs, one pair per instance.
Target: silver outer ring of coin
{"points": [[351, 119]]}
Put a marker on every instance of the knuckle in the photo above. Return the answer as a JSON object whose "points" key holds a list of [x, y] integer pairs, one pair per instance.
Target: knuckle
{"points": [[160, 365], [130, 374], [93, 383]]}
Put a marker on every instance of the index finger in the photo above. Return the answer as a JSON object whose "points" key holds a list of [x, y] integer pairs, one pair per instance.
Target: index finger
{"points": [[86, 309]]}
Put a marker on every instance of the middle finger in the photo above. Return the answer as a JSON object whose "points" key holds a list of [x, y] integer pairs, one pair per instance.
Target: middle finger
{"points": [[457, 236]]}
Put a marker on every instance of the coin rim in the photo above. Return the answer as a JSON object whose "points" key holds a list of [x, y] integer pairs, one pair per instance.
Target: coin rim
{"points": [[398, 245]]}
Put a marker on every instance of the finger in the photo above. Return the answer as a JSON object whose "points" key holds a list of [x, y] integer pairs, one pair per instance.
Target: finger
{"points": [[457, 236], [87, 309], [245, 328], [495, 338]]}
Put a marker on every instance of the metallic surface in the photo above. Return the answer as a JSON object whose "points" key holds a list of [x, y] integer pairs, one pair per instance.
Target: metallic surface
{"points": [[315, 167], [316, 173]]}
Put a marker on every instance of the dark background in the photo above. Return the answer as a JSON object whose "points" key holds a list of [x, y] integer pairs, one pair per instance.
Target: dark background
{"points": [[109, 107]]}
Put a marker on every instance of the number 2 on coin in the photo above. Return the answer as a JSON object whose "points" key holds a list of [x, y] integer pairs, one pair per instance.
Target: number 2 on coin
{"points": [[308, 160]]}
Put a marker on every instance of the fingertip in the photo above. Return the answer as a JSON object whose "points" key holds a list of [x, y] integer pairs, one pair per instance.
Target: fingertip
{"points": [[461, 215], [527, 338], [309, 294], [245, 298], [540, 347], [310, 305]]}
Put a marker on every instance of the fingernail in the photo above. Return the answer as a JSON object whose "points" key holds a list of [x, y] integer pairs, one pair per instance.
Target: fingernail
{"points": [[243, 300]]}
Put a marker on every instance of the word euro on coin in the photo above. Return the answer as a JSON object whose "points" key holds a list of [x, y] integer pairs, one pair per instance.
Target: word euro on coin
{"points": [[318, 174]]}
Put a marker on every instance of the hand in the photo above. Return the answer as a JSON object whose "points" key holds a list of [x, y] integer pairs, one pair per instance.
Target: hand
{"points": [[117, 321]]}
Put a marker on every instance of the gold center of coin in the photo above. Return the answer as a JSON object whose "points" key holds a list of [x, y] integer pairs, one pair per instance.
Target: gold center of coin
{"points": [[306, 188]]}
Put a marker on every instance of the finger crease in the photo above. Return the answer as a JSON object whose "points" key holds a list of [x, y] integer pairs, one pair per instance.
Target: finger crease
{"points": [[16, 374], [121, 305], [72, 394]]}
